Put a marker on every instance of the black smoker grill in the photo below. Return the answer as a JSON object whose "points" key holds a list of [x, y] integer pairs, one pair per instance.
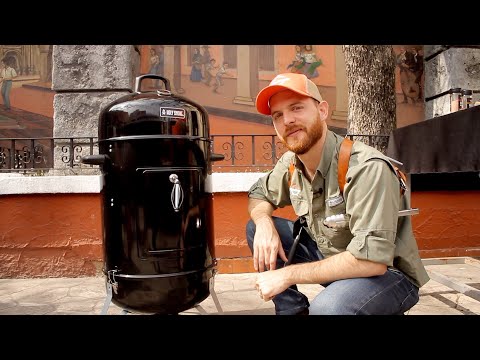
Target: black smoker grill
{"points": [[158, 241]]}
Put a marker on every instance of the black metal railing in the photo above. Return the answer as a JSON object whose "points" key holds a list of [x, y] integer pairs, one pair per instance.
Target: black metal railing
{"points": [[259, 152], [247, 152], [242, 152], [41, 154]]}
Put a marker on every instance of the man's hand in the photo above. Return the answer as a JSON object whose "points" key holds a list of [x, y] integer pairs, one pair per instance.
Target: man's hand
{"points": [[271, 283], [266, 245]]}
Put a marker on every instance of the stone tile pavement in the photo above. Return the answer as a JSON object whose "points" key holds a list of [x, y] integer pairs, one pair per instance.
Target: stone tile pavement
{"points": [[235, 292]]}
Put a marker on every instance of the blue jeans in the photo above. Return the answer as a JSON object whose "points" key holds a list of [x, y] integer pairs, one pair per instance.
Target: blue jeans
{"points": [[6, 87], [388, 294]]}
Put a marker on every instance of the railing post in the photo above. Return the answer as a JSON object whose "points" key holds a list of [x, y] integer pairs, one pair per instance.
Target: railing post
{"points": [[274, 150], [71, 152], [233, 150], [253, 149], [32, 152], [12, 155]]}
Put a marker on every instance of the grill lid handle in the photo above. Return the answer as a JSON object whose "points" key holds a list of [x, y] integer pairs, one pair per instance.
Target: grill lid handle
{"points": [[139, 79]]}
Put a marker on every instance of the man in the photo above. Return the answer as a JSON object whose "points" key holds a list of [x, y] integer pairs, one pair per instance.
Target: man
{"points": [[7, 74], [210, 72], [368, 264], [222, 71]]}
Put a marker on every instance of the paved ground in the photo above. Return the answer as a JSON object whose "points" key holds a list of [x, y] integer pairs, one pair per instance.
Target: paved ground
{"points": [[235, 292]]}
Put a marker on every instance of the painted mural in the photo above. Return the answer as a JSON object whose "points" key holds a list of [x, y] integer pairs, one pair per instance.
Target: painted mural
{"points": [[226, 78], [223, 78], [410, 65], [305, 61], [26, 95]]}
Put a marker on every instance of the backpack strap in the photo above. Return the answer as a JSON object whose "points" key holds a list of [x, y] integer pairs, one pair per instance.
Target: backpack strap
{"points": [[291, 169], [402, 178], [343, 160]]}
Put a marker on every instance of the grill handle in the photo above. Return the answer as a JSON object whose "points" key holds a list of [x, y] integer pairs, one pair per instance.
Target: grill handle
{"points": [[216, 157], [94, 159], [139, 79]]}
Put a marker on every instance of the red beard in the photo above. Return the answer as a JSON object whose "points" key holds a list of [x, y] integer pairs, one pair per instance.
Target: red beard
{"points": [[305, 140]]}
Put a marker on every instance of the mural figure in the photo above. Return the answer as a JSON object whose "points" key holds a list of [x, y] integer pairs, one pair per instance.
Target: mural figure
{"points": [[222, 71], [156, 64], [416, 67], [205, 60], [410, 62], [305, 61], [7, 75], [196, 73], [298, 62], [210, 72]]}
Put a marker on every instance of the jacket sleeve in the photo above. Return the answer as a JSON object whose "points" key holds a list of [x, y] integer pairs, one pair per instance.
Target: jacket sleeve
{"points": [[273, 186], [372, 200]]}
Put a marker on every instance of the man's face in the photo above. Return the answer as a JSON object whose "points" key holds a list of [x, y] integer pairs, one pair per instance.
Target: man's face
{"points": [[298, 120]]}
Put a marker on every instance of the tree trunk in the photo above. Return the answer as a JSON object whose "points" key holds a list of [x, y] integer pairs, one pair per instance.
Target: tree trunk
{"points": [[371, 93]]}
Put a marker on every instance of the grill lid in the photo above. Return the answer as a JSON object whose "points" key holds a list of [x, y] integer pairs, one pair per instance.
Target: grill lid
{"points": [[153, 113]]}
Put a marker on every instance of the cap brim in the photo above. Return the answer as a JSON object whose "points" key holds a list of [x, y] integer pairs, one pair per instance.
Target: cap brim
{"points": [[263, 97]]}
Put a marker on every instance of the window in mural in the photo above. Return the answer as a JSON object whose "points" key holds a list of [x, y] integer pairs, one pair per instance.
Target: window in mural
{"points": [[230, 55], [266, 57]]}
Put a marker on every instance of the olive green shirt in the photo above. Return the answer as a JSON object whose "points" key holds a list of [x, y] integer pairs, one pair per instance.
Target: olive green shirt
{"points": [[371, 199]]}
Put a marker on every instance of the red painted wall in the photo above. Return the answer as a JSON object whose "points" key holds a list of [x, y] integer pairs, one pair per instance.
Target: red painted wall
{"points": [[60, 235], [448, 223], [50, 235]]}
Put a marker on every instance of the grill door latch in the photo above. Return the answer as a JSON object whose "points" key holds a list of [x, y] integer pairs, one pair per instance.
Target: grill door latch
{"points": [[177, 192]]}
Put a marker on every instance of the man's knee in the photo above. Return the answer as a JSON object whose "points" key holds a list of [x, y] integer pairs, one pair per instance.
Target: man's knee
{"points": [[328, 306]]}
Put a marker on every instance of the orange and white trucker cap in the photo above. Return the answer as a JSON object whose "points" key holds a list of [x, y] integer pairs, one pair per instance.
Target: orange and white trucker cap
{"points": [[298, 83]]}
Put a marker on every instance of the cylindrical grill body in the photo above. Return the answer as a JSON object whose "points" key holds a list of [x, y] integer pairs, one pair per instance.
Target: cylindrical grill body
{"points": [[155, 152]]}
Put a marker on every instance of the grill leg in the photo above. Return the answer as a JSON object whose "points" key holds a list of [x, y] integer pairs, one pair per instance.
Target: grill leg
{"points": [[215, 300], [201, 310], [108, 299]]}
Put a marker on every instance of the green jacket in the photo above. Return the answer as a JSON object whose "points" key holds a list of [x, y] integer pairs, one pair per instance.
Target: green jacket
{"points": [[371, 199]]}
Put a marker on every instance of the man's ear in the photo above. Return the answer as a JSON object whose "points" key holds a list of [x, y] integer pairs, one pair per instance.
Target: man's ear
{"points": [[322, 107]]}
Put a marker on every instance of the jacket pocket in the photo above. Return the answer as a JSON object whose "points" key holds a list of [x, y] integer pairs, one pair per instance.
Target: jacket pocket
{"points": [[334, 207], [339, 238], [300, 207]]}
